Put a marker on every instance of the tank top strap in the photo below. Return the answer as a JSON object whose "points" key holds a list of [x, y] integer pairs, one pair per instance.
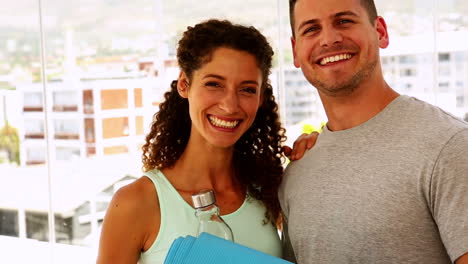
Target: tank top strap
{"points": [[177, 218]]}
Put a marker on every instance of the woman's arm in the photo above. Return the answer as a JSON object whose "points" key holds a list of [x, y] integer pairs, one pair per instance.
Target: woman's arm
{"points": [[126, 226], [303, 143]]}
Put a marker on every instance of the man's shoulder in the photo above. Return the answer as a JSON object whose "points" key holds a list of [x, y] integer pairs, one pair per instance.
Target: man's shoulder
{"points": [[430, 115]]}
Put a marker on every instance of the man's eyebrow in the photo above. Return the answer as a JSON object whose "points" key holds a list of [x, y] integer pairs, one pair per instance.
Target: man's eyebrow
{"points": [[345, 13], [315, 21]]}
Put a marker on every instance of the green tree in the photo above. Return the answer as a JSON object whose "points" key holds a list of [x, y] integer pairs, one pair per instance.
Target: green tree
{"points": [[308, 128], [9, 141]]}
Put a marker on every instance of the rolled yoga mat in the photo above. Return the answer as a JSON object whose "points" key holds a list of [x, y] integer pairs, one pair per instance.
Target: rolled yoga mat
{"points": [[209, 249]]}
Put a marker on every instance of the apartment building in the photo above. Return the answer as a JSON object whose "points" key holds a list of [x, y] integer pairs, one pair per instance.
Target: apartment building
{"points": [[409, 64], [301, 99], [88, 117]]}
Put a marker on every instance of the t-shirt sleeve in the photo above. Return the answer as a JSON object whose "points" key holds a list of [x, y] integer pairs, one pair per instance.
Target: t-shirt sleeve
{"points": [[449, 194], [288, 252]]}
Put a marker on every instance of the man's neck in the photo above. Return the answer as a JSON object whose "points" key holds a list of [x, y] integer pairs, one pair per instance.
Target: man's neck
{"points": [[364, 103]]}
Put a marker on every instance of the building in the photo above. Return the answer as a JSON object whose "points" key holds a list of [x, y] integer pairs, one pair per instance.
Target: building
{"points": [[92, 115], [409, 64], [301, 99], [81, 194]]}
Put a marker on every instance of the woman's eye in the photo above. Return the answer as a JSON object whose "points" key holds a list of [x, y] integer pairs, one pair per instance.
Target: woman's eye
{"points": [[250, 90], [213, 84]]}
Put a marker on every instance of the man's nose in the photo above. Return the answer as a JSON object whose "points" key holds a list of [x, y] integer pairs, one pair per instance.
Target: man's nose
{"points": [[330, 36]]}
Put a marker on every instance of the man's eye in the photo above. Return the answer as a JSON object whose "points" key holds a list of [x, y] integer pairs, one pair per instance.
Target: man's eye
{"points": [[344, 21], [311, 29]]}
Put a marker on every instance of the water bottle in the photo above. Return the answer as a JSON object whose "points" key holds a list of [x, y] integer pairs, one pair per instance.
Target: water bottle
{"points": [[209, 220]]}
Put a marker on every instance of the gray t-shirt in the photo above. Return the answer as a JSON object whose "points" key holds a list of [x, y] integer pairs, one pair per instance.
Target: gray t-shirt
{"points": [[391, 190]]}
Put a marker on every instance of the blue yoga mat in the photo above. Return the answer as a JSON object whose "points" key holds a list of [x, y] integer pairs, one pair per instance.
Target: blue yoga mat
{"points": [[209, 249]]}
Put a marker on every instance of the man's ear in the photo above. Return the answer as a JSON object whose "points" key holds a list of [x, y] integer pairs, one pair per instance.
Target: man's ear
{"points": [[293, 45], [381, 28], [183, 85]]}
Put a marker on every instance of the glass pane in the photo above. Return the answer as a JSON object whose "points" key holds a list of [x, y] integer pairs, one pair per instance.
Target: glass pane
{"points": [[24, 196], [409, 63], [102, 70], [426, 58], [452, 33], [302, 110]]}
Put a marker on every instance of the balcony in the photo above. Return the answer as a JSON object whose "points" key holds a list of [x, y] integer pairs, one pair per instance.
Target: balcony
{"points": [[65, 108], [33, 108], [34, 135], [66, 135], [35, 162]]}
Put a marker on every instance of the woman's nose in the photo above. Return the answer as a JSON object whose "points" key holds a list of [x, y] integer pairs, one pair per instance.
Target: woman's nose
{"points": [[229, 103]]}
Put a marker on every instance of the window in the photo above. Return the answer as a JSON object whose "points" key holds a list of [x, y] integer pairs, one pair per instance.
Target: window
{"points": [[408, 72], [444, 57], [9, 226], [407, 59]]}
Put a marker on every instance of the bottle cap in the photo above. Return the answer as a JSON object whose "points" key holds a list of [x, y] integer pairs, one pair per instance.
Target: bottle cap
{"points": [[203, 198]]}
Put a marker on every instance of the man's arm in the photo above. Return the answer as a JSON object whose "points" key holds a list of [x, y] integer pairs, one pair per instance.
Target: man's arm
{"points": [[449, 188]]}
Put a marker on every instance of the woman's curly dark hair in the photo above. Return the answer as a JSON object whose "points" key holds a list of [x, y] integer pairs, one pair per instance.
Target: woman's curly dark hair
{"points": [[257, 154]]}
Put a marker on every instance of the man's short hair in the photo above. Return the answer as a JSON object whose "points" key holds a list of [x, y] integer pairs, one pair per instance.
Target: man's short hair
{"points": [[368, 5]]}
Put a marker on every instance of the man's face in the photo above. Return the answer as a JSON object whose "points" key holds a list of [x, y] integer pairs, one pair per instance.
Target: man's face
{"points": [[335, 44]]}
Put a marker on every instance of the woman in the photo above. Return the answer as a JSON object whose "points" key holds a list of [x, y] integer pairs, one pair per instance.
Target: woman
{"points": [[217, 129]]}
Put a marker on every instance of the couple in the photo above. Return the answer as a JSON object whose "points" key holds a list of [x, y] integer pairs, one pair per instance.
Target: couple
{"points": [[386, 182]]}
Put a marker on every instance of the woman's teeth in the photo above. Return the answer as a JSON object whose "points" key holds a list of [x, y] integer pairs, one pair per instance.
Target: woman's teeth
{"points": [[222, 123]]}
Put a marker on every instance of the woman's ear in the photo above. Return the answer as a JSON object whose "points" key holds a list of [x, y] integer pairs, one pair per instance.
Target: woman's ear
{"points": [[183, 85]]}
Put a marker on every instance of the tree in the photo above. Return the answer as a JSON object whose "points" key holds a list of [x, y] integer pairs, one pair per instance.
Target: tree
{"points": [[9, 141], [308, 128]]}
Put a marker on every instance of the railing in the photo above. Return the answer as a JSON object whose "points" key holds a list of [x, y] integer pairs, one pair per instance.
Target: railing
{"points": [[33, 109], [34, 162], [65, 108], [64, 135], [38, 135]]}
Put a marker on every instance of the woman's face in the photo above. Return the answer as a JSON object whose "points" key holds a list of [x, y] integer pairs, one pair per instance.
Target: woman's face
{"points": [[224, 96]]}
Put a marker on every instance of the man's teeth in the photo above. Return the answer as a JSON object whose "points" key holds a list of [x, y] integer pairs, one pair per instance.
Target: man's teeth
{"points": [[223, 123], [335, 58]]}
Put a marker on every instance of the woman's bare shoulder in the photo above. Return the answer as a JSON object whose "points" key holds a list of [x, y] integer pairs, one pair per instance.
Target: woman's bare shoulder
{"points": [[137, 196], [126, 228]]}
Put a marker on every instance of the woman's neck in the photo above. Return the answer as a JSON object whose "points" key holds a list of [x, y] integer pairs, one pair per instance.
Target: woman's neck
{"points": [[203, 166]]}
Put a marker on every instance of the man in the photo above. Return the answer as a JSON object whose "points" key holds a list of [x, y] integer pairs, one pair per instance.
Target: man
{"points": [[387, 181]]}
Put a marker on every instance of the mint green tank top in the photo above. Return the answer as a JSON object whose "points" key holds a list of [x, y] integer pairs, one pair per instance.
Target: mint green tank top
{"points": [[178, 219]]}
